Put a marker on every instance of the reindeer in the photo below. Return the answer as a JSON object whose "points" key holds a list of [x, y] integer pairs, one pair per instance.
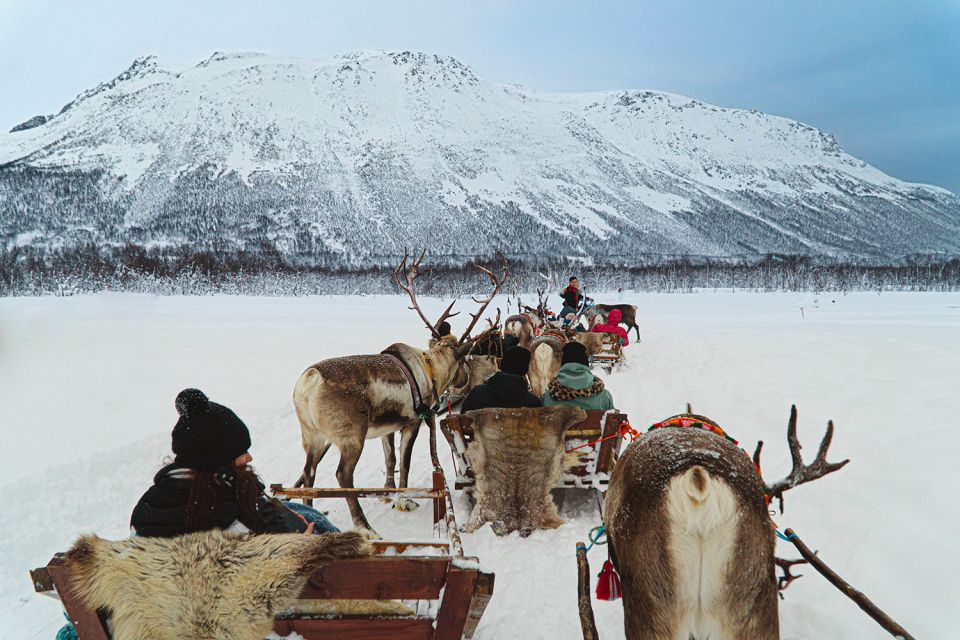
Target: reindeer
{"points": [[691, 536], [628, 315], [348, 400], [529, 321], [546, 355]]}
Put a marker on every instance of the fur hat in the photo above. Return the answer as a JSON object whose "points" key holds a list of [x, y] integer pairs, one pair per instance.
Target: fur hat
{"points": [[444, 328], [574, 352], [515, 360], [208, 435]]}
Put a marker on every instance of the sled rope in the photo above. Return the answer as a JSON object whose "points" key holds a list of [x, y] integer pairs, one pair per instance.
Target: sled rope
{"points": [[624, 430], [595, 534]]}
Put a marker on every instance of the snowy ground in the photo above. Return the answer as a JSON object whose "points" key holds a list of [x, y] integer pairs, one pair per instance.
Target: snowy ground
{"points": [[86, 407]]}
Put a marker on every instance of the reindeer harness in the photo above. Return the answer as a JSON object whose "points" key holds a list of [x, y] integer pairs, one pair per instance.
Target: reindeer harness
{"points": [[422, 410]]}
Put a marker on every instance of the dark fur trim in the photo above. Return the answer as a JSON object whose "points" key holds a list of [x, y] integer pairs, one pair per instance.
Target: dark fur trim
{"points": [[560, 392]]}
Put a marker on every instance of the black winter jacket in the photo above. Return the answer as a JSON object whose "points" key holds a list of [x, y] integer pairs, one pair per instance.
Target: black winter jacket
{"points": [[504, 390], [571, 297], [161, 512]]}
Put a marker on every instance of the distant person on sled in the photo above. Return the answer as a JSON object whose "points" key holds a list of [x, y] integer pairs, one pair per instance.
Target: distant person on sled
{"points": [[612, 325], [571, 297], [210, 485]]}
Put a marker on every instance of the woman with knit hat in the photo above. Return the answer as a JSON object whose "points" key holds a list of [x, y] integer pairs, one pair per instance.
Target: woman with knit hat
{"points": [[210, 484], [575, 385]]}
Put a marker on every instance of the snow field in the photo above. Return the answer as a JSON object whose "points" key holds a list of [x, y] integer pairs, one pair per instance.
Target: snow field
{"points": [[86, 408]]}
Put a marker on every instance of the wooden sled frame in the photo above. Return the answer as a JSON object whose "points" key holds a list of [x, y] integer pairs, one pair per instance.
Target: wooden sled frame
{"points": [[594, 462], [611, 356], [440, 572]]}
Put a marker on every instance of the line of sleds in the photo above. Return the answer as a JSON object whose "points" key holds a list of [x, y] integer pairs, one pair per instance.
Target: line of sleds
{"points": [[428, 590], [507, 461]]}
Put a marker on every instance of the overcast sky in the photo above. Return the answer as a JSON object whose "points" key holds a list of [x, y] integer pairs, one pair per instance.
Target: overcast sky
{"points": [[882, 75]]}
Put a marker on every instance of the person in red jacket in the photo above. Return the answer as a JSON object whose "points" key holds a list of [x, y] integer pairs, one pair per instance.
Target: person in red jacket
{"points": [[612, 325]]}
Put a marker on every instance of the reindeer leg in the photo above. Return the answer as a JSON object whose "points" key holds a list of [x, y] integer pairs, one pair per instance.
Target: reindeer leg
{"points": [[390, 461], [349, 456], [314, 456], [407, 437], [635, 328]]}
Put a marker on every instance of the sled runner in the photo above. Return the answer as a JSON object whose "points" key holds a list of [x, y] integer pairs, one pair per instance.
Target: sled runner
{"points": [[405, 591], [592, 447]]}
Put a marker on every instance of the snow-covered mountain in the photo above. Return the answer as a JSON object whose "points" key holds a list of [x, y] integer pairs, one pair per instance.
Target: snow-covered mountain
{"points": [[347, 160]]}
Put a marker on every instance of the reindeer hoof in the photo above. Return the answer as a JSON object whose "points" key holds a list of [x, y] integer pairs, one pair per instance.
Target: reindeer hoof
{"points": [[385, 499], [405, 504]]}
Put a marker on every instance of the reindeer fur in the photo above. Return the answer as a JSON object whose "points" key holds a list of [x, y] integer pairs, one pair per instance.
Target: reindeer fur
{"points": [[692, 540], [346, 401], [546, 355], [516, 456], [201, 586]]}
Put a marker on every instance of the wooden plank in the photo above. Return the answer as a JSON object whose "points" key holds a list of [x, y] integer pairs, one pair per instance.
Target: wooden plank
{"points": [[87, 622], [379, 578], [454, 608], [387, 546], [607, 447], [422, 493], [481, 597], [440, 488], [42, 582], [372, 628]]}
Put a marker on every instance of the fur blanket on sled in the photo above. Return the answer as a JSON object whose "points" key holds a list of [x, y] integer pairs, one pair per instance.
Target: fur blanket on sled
{"points": [[516, 456], [201, 586]]}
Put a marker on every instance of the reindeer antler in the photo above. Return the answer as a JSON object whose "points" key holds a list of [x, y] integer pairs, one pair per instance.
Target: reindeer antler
{"points": [[783, 581], [497, 285], [446, 314], [801, 473], [411, 274]]}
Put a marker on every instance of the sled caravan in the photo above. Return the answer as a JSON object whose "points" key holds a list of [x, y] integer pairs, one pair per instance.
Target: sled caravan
{"points": [[683, 512]]}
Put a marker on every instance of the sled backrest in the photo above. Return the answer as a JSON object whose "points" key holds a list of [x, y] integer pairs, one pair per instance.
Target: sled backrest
{"points": [[599, 432], [383, 596]]}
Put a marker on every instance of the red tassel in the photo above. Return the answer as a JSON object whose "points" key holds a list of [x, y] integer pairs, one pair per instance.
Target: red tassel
{"points": [[608, 585]]}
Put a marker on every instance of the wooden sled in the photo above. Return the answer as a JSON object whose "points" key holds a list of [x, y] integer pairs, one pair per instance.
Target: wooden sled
{"points": [[594, 462], [610, 356], [417, 573]]}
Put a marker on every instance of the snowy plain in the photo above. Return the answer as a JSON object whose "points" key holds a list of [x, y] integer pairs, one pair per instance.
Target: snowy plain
{"points": [[86, 408]]}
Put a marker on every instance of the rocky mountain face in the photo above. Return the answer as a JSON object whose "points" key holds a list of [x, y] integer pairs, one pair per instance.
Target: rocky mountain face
{"points": [[345, 161]]}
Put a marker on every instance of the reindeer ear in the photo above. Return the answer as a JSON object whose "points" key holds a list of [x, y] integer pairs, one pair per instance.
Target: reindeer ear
{"points": [[461, 351]]}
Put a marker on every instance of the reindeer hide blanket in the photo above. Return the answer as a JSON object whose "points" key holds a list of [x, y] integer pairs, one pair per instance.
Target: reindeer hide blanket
{"points": [[516, 456], [203, 585]]}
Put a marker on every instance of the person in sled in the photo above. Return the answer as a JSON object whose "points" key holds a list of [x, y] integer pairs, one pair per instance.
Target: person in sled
{"points": [[210, 485], [508, 388], [575, 385], [571, 297], [612, 325]]}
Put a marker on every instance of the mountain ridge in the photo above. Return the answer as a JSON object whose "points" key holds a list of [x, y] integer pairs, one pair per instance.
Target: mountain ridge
{"points": [[355, 156]]}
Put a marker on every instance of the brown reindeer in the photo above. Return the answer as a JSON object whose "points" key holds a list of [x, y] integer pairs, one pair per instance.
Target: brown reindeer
{"points": [[529, 322], [628, 315], [691, 536], [348, 400]]}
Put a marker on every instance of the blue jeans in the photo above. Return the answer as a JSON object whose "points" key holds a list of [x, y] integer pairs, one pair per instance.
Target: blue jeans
{"points": [[320, 522]]}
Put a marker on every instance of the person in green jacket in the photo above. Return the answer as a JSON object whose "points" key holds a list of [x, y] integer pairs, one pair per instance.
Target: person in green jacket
{"points": [[575, 385]]}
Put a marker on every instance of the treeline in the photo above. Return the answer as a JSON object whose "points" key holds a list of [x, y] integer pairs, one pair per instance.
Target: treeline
{"points": [[265, 271]]}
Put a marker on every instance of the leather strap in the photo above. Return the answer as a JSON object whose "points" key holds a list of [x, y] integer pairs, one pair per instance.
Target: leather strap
{"points": [[418, 406]]}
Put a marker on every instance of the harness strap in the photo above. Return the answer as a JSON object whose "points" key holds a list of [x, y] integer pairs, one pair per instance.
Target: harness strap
{"points": [[419, 407]]}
